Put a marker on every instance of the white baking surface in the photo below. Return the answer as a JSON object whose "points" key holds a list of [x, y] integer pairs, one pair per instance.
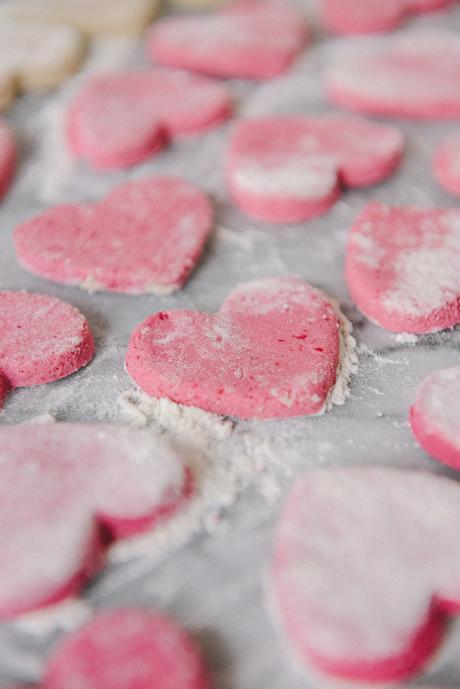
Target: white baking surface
{"points": [[212, 580]]}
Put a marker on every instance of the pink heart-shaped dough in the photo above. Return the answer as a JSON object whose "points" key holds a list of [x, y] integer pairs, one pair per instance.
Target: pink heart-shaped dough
{"points": [[251, 39], [273, 350], [356, 16], [145, 236], [403, 267], [43, 339], [65, 489], [119, 119], [434, 416], [414, 75], [446, 166], [289, 168], [7, 156], [366, 569], [127, 649]]}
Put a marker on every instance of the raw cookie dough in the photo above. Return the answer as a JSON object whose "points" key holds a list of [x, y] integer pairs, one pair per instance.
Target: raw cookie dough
{"points": [[415, 74], [273, 350], [366, 569], [88, 16], [145, 236], [249, 39], [446, 163], [290, 168], [117, 120], [403, 267], [7, 156], [66, 490], [36, 56], [43, 338]]}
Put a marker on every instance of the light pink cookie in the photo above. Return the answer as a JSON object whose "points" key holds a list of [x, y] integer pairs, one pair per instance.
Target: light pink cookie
{"points": [[403, 267], [356, 16], [414, 75], [145, 236], [290, 168], [43, 338], [249, 39], [273, 350], [366, 569], [66, 490], [127, 649], [446, 164], [117, 120], [434, 416], [7, 156]]}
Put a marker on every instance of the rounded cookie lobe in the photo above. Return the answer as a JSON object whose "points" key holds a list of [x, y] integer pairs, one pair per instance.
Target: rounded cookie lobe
{"points": [[145, 236], [66, 490], [446, 166], [402, 267], [43, 338], [7, 156], [273, 350], [434, 416], [290, 168], [363, 576]]}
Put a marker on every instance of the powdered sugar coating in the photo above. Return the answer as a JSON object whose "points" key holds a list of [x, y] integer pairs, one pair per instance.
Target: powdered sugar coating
{"points": [[7, 156], [446, 165], [403, 267], [289, 168], [145, 236], [59, 485], [363, 574], [43, 338], [127, 649], [273, 350], [249, 39], [355, 16], [121, 118], [414, 75]]}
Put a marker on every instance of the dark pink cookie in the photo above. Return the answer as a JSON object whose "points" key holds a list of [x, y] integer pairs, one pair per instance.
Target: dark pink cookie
{"points": [[65, 491], [414, 75], [446, 163], [119, 119], [7, 156], [289, 168], [145, 236], [273, 350], [434, 416], [127, 649], [250, 39], [358, 16], [43, 338], [403, 267], [366, 570]]}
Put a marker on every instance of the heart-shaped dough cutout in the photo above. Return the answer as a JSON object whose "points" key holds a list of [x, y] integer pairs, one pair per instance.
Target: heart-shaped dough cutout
{"points": [[119, 119], [434, 416], [403, 267], [276, 348], [7, 156], [249, 39], [65, 489], [36, 56], [415, 75], [145, 236], [289, 168], [43, 339], [366, 569], [356, 16], [445, 164]]}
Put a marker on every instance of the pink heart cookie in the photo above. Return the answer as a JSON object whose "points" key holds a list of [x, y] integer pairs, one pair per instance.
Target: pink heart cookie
{"points": [[7, 156], [65, 491], [434, 417], [273, 350], [446, 166], [413, 75], [403, 267], [356, 16], [250, 39], [145, 236], [290, 168], [366, 570], [127, 649], [118, 120], [43, 339]]}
